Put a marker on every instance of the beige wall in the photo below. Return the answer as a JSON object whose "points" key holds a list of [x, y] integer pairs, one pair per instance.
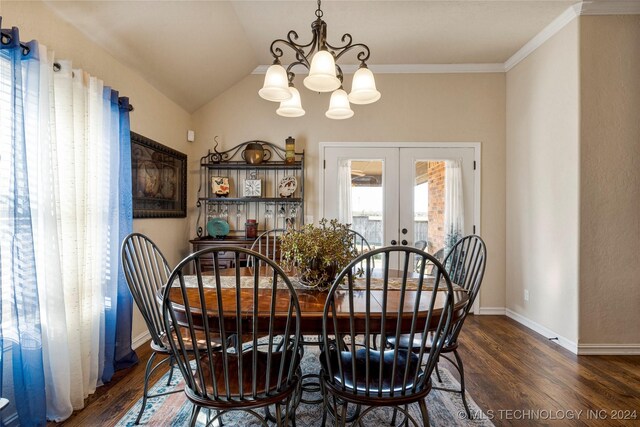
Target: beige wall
{"points": [[610, 180], [155, 116], [427, 107], [542, 191]]}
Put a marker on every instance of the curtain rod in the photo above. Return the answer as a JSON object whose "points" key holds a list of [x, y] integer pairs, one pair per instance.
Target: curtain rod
{"points": [[6, 39], [57, 67]]}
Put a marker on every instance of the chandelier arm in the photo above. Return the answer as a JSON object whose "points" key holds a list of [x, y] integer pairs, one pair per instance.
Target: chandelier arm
{"points": [[301, 57], [290, 74], [292, 36], [339, 74], [347, 39], [362, 56]]}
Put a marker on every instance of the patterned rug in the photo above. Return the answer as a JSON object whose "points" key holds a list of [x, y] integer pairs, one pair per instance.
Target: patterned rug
{"points": [[445, 409]]}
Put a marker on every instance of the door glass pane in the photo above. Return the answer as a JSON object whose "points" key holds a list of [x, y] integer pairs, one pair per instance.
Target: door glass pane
{"points": [[428, 205], [367, 200]]}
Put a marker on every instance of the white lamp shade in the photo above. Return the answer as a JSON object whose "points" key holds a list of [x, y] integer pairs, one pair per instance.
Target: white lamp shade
{"points": [[291, 107], [363, 87], [322, 74], [339, 108], [276, 84]]}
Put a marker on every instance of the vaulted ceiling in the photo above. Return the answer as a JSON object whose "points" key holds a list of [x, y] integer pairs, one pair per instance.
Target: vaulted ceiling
{"points": [[194, 50]]}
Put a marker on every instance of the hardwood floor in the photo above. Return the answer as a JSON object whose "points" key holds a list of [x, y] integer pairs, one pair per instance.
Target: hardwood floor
{"points": [[516, 376]]}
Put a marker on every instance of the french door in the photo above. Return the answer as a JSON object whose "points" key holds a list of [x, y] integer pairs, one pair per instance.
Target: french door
{"points": [[400, 195]]}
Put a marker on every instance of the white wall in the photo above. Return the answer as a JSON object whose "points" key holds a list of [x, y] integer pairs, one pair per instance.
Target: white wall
{"points": [[425, 107], [542, 189]]}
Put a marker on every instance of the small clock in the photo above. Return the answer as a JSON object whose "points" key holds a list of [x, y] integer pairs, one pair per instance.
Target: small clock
{"points": [[252, 188]]}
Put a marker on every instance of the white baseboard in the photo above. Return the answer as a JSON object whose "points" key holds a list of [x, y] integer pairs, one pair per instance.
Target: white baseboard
{"points": [[140, 339], [542, 330], [492, 311], [608, 349]]}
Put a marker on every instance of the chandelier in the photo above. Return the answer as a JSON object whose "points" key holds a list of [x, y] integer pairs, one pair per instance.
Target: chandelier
{"points": [[319, 57]]}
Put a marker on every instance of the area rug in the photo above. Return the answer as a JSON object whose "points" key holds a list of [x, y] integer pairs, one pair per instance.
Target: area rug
{"points": [[445, 409]]}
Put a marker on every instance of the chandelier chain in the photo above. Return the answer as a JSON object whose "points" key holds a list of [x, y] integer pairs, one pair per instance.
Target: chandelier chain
{"points": [[319, 11]]}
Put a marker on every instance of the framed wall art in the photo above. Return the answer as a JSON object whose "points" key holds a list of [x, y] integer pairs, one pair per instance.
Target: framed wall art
{"points": [[159, 176]]}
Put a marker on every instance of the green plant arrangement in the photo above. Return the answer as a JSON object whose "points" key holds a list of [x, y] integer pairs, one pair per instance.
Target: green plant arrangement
{"points": [[319, 252]]}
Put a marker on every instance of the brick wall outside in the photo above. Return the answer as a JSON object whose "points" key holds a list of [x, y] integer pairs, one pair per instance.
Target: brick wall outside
{"points": [[435, 177]]}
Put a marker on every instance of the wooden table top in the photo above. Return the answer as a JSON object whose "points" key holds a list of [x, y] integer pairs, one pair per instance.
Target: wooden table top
{"points": [[312, 303]]}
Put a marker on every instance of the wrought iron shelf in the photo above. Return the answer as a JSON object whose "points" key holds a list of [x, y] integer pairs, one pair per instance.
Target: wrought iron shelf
{"points": [[269, 210], [244, 165], [251, 199]]}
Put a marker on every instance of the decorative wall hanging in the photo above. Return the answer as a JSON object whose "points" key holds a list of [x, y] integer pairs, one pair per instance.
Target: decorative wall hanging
{"points": [[159, 176]]}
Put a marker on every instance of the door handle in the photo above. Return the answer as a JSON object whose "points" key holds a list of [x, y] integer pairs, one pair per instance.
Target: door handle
{"points": [[404, 243], [404, 231], [393, 243]]}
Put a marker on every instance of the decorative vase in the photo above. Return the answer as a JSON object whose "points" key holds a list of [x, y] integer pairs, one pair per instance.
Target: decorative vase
{"points": [[254, 154], [316, 276]]}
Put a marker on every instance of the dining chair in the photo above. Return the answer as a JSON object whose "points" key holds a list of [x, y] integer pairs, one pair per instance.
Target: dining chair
{"points": [[465, 263], [260, 312], [146, 270], [354, 371], [361, 245], [420, 244], [359, 242], [268, 244]]}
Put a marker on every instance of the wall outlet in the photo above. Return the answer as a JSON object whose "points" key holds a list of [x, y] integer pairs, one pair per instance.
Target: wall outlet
{"points": [[526, 295]]}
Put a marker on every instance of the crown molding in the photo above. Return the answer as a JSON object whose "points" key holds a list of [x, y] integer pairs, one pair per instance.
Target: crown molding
{"points": [[412, 68], [547, 32], [612, 7]]}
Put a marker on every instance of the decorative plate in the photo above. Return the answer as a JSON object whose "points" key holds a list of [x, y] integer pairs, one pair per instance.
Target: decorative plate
{"points": [[217, 227], [287, 186]]}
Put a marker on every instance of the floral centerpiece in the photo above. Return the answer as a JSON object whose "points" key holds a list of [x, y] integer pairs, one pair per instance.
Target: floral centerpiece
{"points": [[319, 252]]}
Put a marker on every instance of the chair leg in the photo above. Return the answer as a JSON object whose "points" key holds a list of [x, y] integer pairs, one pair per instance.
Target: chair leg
{"points": [[393, 418], [290, 411], [194, 415], [343, 417], [335, 411], [395, 414], [146, 386], [438, 373], [171, 366], [462, 390], [278, 414], [425, 412], [325, 402]]}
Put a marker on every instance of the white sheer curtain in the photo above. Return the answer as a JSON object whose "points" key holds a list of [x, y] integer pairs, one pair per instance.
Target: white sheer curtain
{"points": [[453, 203], [44, 184], [70, 154], [344, 191]]}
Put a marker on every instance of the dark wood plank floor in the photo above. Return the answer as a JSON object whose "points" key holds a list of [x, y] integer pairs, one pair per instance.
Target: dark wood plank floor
{"points": [[516, 376]]}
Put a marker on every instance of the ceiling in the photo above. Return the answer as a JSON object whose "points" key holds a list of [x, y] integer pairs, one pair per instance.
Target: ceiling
{"points": [[194, 50]]}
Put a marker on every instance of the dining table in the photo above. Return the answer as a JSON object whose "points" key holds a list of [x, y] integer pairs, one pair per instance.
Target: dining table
{"points": [[366, 298]]}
